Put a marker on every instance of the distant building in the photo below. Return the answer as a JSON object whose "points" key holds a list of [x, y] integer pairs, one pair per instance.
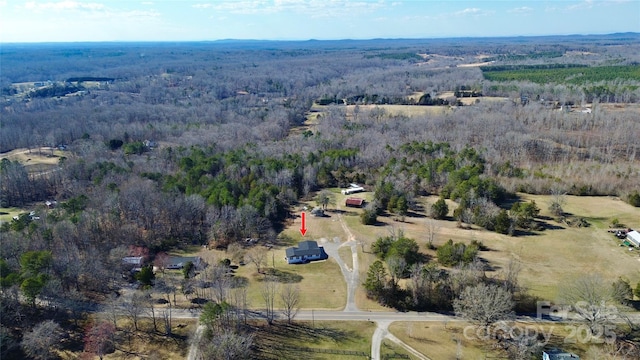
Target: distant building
{"points": [[179, 262], [305, 252], [354, 202], [133, 263], [634, 238], [559, 355], [352, 189]]}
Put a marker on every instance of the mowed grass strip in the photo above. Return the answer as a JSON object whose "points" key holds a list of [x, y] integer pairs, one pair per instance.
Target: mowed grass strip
{"points": [[284, 341]]}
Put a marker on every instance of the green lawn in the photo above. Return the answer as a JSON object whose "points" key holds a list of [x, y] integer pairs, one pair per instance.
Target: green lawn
{"points": [[7, 214], [308, 340]]}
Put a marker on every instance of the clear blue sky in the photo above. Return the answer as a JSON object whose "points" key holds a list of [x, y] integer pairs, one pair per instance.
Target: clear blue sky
{"points": [[173, 20]]}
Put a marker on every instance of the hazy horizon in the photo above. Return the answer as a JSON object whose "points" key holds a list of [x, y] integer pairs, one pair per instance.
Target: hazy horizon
{"points": [[302, 20]]}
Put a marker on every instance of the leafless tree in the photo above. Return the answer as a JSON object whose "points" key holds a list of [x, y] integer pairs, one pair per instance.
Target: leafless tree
{"points": [[236, 252], [166, 320], [161, 261], [135, 307], [151, 308], [523, 347], [431, 227], [258, 256], [290, 296], [484, 304], [238, 298], [510, 275], [42, 340], [618, 350], [397, 267], [592, 299], [220, 282], [325, 198], [558, 199], [111, 307], [269, 290], [228, 345]]}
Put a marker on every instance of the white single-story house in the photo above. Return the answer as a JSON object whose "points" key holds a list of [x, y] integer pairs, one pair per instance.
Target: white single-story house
{"points": [[305, 252], [352, 189], [634, 238], [559, 355]]}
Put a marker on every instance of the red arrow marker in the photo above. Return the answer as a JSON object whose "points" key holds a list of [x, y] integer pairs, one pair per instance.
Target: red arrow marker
{"points": [[303, 227]]}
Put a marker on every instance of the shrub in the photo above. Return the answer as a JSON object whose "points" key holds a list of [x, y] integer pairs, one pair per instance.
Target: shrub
{"points": [[369, 216], [439, 209], [451, 254]]}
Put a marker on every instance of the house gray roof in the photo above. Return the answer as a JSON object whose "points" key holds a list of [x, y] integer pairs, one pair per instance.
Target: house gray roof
{"points": [[308, 247]]}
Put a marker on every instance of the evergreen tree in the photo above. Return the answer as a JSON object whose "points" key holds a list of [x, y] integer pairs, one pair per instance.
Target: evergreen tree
{"points": [[439, 209]]}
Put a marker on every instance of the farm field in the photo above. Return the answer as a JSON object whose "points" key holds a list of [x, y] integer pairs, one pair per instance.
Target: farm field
{"points": [[404, 110]]}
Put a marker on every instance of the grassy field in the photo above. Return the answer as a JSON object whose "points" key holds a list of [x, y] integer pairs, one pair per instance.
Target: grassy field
{"points": [[146, 344], [7, 214], [471, 100], [39, 155], [389, 349], [405, 110], [306, 340], [555, 255], [548, 257], [440, 341], [330, 294]]}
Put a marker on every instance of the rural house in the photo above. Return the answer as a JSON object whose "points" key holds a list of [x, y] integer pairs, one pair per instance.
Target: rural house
{"points": [[305, 252], [178, 262], [352, 189], [634, 238], [133, 263], [354, 202], [559, 355]]}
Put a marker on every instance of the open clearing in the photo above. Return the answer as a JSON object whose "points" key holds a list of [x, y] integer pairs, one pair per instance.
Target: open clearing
{"points": [[405, 110], [7, 214], [36, 159], [548, 257]]}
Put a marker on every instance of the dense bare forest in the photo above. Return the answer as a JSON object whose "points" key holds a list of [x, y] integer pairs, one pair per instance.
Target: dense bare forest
{"points": [[163, 145]]}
